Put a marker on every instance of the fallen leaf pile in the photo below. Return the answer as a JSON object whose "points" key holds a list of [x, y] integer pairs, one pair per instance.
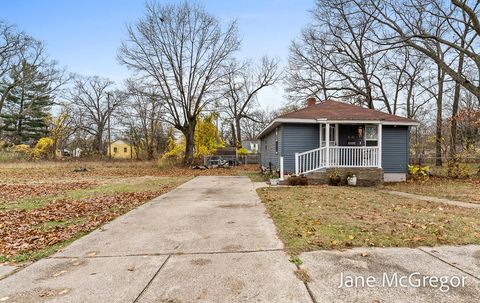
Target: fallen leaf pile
{"points": [[11, 192], [20, 232]]}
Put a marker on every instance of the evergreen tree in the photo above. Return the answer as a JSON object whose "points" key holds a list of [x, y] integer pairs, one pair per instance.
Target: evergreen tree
{"points": [[25, 115]]}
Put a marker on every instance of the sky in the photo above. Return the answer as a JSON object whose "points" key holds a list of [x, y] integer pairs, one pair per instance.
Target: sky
{"points": [[84, 35]]}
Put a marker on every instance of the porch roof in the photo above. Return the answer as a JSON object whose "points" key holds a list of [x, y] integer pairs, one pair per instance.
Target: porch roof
{"points": [[338, 112]]}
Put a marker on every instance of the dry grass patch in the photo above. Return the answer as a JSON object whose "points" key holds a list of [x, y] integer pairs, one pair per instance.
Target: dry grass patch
{"points": [[324, 217], [467, 190]]}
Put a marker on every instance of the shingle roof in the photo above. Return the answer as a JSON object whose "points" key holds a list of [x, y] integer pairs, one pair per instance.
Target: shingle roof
{"points": [[334, 110]]}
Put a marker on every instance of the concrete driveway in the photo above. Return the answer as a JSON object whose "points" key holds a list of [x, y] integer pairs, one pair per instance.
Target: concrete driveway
{"points": [[209, 240]]}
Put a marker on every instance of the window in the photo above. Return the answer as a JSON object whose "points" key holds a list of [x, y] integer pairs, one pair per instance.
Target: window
{"points": [[332, 134], [371, 135], [114, 149], [125, 149]]}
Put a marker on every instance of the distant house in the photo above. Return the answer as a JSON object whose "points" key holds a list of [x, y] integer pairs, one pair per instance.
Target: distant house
{"points": [[251, 145], [121, 149], [333, 135]]}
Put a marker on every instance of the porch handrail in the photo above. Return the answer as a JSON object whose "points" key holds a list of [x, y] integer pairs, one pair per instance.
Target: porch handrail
{"points": [[310, 160], [338, 156]]}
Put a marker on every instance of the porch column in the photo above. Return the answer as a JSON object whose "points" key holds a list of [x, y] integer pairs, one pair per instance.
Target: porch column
{"points": [[327, 144], [380, 145]]}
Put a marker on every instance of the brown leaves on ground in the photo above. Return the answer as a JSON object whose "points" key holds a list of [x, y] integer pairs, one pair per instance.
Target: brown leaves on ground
{"points": [[20, 232], [15, 191], [325, 217]]}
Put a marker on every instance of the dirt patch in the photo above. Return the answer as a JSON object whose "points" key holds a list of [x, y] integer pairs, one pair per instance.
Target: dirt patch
{"points": [[236, 286], [236, 205], [303, 275], [200, 262]]}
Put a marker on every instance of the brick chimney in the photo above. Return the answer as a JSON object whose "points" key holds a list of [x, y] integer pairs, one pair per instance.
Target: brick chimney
{"points": [[311, 101]]}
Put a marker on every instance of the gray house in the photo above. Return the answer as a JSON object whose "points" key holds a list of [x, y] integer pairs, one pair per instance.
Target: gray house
{"points": [[337, 135]]}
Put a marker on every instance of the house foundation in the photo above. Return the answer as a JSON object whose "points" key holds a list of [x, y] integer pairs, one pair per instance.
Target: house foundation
{"points": [[365, 176]]}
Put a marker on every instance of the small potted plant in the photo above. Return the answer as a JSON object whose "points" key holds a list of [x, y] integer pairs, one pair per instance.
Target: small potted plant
{"points": [[335, 178], [351, 179], [274, 180]]}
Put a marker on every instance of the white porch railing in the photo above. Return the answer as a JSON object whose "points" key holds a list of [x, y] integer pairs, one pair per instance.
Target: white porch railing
{"points": [[338, 156], [311, 160]]}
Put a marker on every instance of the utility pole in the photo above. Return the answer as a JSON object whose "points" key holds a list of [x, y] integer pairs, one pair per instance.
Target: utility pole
{"points": [[108, 122]]}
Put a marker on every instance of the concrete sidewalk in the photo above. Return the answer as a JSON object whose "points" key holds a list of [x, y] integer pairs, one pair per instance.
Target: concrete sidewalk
{"points": [[209, 240], [432, 199], [423, 269]]}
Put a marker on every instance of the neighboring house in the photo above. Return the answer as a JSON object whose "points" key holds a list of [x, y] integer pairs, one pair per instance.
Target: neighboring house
{"points": [[357, 138], [251, 145], [121, 149]]}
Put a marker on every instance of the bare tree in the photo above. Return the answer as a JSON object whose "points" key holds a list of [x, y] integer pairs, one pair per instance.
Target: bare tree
{"points": [[95, 102], [407, 23], [182, 50], [336, 53], [12, 44], [242, 84], [28, 89], [142, 115], [308, 73]]}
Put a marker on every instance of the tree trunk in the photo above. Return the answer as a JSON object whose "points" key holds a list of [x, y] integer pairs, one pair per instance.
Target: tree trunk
{"points": [[100, 142], [238, 143], [150, 151], [456, 101], [234, 135], [438, 133], [189, 133]]}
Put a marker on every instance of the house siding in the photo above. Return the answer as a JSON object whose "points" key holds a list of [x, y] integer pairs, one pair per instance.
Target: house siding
{"points": [[267, 149], [395, 147], [297, 138]]}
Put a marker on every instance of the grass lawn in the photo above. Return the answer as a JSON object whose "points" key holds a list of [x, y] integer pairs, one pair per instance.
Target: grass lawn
{"points": [[325, 217], [454, 189], [46, 205]]}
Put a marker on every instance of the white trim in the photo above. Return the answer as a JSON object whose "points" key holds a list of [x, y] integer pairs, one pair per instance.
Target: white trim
{"points": [[281, 169], [372, 122], [327, 144], [379, 143], [296, 164]]}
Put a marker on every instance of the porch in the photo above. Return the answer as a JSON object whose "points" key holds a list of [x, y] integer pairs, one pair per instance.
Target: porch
{"points": [[342, 145]]}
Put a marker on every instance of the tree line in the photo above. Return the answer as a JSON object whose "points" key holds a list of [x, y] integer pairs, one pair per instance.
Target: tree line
{"points": [[419, 59]]}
